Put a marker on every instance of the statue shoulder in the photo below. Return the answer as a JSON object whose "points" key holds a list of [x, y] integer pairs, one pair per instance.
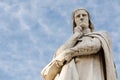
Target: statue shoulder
{"points": [[105, 33]]}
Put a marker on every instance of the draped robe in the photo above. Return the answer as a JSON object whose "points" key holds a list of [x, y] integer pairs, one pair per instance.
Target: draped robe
{"points": [[96, 65]]}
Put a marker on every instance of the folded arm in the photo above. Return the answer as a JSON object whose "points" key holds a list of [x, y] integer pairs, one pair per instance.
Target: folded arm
{"points": [[84, 48], [69, 43], [87, 48]]}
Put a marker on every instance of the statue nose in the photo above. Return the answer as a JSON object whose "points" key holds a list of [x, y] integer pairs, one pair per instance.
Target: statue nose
{"points": [[81, 19]]}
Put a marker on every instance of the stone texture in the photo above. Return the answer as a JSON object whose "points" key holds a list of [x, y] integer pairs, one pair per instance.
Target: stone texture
{"points": [[87, 55]]}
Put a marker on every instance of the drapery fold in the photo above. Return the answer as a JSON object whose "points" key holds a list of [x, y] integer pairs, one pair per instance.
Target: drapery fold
{"points": [[69, 71]]}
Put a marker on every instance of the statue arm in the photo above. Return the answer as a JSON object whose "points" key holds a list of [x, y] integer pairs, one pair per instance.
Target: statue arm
{"points": [[84, 48], [87, 48], [69, 43]]}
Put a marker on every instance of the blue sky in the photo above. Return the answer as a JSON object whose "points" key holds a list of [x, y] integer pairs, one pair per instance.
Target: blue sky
{"points": [[32, 30]]}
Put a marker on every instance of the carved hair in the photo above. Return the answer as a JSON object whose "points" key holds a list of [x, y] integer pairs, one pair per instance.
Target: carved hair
{"points": [[91, 26]]}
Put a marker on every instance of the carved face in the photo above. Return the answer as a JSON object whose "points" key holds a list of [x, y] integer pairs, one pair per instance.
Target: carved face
{"points": [[81, 18]]}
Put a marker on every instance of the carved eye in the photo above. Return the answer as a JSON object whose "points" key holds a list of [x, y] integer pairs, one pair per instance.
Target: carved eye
{"points": [[78, 15], [83, 15]]}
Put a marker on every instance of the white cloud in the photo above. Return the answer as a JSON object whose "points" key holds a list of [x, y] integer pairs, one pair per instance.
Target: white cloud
{"points": [[45, 27], [27, 53]]}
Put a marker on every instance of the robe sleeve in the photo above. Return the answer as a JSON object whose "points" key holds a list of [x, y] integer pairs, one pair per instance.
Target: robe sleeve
{"points": [[89, 47]]}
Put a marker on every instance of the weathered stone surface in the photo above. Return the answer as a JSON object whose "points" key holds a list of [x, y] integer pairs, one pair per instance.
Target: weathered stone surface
{"points": [[87, 55]]}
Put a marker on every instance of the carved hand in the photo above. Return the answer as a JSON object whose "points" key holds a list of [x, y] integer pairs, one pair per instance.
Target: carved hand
{"points": [[84, 25], [78, 30], [65, 56]]}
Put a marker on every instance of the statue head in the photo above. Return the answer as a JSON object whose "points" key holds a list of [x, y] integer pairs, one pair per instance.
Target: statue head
{"points": [[88, 19]]}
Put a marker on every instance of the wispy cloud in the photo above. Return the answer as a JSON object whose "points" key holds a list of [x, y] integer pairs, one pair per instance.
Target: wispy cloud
{"points": [[31, 31]]}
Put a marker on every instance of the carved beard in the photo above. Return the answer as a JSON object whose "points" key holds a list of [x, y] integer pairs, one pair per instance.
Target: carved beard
{"points": [[91, 26], [84, 25]]}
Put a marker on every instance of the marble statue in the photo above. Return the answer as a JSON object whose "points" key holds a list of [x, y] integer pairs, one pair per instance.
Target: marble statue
{"points": [[86, 55]]}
